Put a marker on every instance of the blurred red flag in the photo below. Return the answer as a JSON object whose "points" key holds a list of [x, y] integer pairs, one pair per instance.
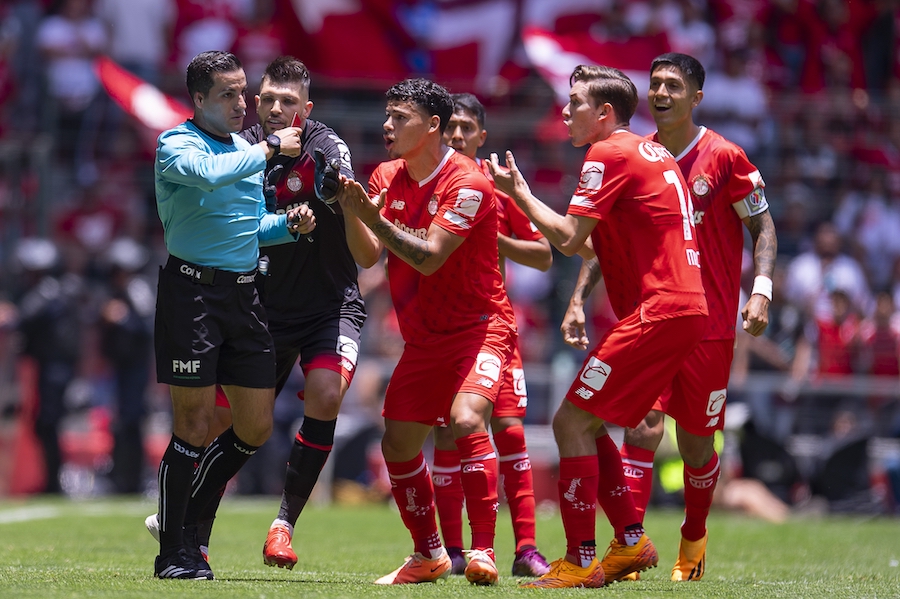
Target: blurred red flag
{"points": [[146, 103], [555, 56]]}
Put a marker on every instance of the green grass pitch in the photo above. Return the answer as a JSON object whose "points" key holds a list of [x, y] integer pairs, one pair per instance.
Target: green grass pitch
{"points": [[53, 548]]}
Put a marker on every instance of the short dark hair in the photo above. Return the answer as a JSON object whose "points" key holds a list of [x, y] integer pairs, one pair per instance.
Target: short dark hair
{"points": [[200, 72], [690, 67], [470, 105], [606, 84], [287, 69], [428, 95]]}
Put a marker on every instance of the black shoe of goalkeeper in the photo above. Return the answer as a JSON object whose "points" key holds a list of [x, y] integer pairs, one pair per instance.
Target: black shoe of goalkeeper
{"points": [[181, 565]]}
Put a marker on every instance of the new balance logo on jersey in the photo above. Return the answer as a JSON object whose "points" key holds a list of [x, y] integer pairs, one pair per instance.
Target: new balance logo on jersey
{"points": [[189, 367], [713, 422], [698, 217], [398, 205], [584, 393]]}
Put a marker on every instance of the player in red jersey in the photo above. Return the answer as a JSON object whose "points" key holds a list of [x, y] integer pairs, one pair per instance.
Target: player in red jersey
{"points": [[519, 240], [728, 194], [632, 202], [435, 212]]}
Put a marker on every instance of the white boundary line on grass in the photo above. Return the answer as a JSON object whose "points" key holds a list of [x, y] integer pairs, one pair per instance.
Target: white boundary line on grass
{"points": [[30, 513], [27, 514]]}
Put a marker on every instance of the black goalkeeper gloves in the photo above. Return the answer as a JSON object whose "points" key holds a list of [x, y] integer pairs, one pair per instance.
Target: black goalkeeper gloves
{"points": [[327, 176]]}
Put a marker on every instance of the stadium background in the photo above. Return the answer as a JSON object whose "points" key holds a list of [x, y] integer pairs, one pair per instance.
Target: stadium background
{"points": [[809, 88]]}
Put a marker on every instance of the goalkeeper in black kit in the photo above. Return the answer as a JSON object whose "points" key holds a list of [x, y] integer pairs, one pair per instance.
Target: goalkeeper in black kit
{"points": [[310, 294]]}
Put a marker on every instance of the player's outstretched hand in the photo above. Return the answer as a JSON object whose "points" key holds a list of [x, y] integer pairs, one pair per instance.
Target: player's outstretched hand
{"points": [[354, 199], [327, 177], [301, 220], [290, 141], [572, 327], [510, 180], [756, 314]]}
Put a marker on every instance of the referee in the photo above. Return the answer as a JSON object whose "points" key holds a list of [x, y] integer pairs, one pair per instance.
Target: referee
{"points": [[210, 325]]}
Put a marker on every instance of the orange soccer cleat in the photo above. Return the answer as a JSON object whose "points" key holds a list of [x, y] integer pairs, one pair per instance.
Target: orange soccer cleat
{"points": [[417, 568], [691, 563], [565, 574], [277, 550], [482, 568], [621, 560]]}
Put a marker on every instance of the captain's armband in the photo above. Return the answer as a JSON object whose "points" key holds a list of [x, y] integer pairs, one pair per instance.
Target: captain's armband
{"points": [[753, 204]]}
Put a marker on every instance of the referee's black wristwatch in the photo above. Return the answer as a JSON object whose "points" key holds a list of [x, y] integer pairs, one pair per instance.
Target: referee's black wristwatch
{"points": [[275, 143]]}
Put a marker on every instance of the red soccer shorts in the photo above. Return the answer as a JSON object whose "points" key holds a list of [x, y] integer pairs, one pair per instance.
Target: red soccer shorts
{"points": [[632, 365], [428, 377], [698, 402]]}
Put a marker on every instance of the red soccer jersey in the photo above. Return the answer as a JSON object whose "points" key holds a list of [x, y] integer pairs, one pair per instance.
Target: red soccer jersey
{"points": [[512, 221], [644, 238], [467, 291], [719, 175]]}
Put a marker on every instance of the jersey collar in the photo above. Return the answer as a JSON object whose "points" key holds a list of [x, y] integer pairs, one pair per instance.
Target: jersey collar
{"points": [[440, 165]]}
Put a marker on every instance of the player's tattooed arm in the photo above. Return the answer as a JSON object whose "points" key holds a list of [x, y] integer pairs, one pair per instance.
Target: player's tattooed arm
{"points": [[765, 243], [409, 247]]}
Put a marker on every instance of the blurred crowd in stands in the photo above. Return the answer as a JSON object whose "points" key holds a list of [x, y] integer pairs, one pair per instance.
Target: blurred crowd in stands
{"points": [[809, 88]]}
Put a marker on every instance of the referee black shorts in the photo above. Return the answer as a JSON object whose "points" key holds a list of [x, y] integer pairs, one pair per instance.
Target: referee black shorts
{"points": [[211, 328]]}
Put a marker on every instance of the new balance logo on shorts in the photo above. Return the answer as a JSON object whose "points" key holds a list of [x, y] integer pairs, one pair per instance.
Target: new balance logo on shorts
{"points": [[486, 383]]}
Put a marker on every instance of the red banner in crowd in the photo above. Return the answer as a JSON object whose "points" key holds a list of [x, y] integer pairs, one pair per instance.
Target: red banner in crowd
{"points": [[555, 56]]}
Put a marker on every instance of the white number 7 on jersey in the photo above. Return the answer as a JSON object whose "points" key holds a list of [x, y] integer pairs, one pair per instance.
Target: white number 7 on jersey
{"points": [[684, 200]]}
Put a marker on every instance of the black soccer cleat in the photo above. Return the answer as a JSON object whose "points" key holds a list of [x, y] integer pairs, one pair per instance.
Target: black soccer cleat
{"points": [[181, 565]]}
